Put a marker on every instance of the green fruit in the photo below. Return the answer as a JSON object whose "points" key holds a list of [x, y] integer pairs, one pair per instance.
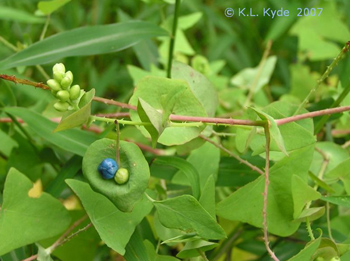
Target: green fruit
{"points": [[54, 85], [122, 176], [61, 106], [63, 95], [59, 68], [74, 92]]}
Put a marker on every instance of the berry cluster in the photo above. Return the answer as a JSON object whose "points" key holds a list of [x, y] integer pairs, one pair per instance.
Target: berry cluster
{"points": [[109, 169], [68, 96]]}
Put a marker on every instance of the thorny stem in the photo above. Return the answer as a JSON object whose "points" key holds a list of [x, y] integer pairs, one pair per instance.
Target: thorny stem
{"points": [[257, 76], [265, 195], [255, 168], [340, 56], [336, 103], [207, 120]]}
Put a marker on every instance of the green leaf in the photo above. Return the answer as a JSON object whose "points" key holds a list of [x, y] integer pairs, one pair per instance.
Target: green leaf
{"points": [[273, 128], [182, 238], [48, 7], [192, 248], [245, 78], [247, 202], [114, 226], [25, 220], [152, 90], [135, 249], [185, 213], [79, 248], [11, 14], [338, 200], [187, 168], [308, 251], [89, 40], [341, 172], [207, 198], [302, 194], [79, 117], [152, 255], [75, 141], [7, 143], [296, 135], [316, 37], [68, 171], [123, 196], [311, 214], [206, 160], [150, 115], [201, 87], [321, 183]]}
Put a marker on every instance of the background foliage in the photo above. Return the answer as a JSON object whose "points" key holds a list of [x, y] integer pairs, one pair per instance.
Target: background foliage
{"points": [[212, 203]]}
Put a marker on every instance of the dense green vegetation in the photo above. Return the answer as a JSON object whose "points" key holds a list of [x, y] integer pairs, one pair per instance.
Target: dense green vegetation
{"points": [[226, 130]]}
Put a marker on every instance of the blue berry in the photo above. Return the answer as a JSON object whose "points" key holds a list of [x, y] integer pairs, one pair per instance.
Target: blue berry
{"points": [[107, 168]]}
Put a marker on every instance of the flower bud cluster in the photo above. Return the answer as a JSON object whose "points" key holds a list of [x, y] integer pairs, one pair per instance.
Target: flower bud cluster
{"points": [[68, 96]]}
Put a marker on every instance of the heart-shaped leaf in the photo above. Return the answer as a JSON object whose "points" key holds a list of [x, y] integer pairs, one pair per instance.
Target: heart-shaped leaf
{"points": [[123, 196]]}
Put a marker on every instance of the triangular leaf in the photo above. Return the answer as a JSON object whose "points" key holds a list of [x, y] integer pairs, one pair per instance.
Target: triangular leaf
{"points": [[148, 114], [274, 130], [302, 194], [114, 226], [25, 220], [185, 213], [79, 117], [311, 214]]}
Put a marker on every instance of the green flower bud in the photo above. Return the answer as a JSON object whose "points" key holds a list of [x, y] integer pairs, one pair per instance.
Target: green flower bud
{"points": [[66, 82], [122, 176], [63, 95], [59, 67], [61, 106], [70, 75], [74, 92], [54, 85], [58, 76]]}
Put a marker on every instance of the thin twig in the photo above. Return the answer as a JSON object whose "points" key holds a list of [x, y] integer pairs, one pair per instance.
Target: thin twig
{"points": [[339, 57], [265, 194], [255, 168], [61, 240]]}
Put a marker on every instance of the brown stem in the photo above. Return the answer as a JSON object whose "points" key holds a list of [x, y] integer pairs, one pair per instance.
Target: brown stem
{"points": [[265, 194], [23, 81], [116, 103], [255, 168], [196, 119], [312, 114]]}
